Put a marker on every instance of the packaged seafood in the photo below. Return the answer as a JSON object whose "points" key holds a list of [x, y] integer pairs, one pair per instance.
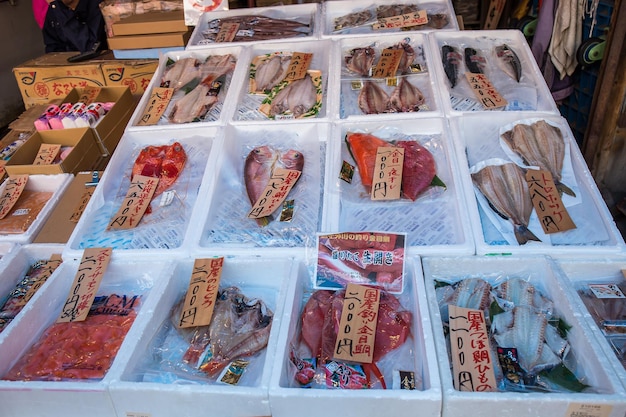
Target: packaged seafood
{"points": [[542, 354], [501, 59], [180, 162], [496, 205], [431, 217], [403, 346], [156, 381]]}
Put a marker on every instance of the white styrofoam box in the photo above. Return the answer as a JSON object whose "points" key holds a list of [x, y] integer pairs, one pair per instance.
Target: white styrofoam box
{"points": [[351, 84], [224, 222], [478, 140], [590, 363], [165, 228], [598, 271], [74, 397], [305, 14], [263, 277], [247, 107], [286, 396], [217, 114], [332, 10], [55, 184], [6, 248], [436, 222], [531, 93]]}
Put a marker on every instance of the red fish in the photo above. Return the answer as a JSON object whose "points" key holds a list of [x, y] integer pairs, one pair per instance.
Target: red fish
{"points": [[363, 148], [418, 169], [162, 162]]}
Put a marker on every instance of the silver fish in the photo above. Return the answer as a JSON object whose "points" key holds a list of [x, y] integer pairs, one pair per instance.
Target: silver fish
{"points": [[298, 97], [509, 61], [518, 291], [373, 99], [180, 73], [406, 97], [271, 72]]}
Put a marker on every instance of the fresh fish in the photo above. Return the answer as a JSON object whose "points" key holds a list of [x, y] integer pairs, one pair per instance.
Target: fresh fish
{"points": [[363, 148], [406, 97], [361, 60], [509, 61], [474, 293], [451, 60], [474, 62], [148, 162], [271, 72], [180, 73], [373, 99], [404, 67], [540, 145], [520, 292], [163, 162], [506, 189], [418, 168], [298, 97], [291, 159]]}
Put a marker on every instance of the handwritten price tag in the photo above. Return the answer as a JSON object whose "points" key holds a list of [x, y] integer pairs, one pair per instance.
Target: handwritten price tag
{"points": [[11, 192], [387, 173], [546, 199], [135, 203], [484, 91], [160, 98], [47, 154], [276, 191], [88, 94], [227, 32], [388, 63], [298, 66], [202, 293], [401, 21]]}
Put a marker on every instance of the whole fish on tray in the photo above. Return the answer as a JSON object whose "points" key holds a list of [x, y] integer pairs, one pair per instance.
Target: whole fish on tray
{"points": [[179, 73], [270, 72], [298, 97], [406, 97], [474, 61], [361, 60], [256, 28], [451, 60]]}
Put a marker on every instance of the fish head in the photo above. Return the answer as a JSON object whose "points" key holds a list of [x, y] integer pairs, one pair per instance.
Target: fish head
{"points": [[292, 159], [262, 154]]}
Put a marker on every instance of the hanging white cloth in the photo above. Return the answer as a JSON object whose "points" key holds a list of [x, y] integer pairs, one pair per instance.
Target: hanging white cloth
{"points": [[566, 36]]}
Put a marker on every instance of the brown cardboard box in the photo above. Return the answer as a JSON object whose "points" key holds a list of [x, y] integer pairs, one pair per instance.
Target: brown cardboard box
{"points": [[134, 74], [153, 22], [157, 40]]}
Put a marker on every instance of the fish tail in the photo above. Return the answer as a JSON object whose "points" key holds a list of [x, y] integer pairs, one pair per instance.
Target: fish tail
{"points": [[565, 189], [523, 234]]}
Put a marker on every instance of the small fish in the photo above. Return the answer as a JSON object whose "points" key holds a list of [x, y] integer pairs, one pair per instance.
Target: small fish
{"points": [[373, 99], [509, 61], [271, 72], [474, 62], [451, 60], [361, 60], [298, 97], [163, 162]]}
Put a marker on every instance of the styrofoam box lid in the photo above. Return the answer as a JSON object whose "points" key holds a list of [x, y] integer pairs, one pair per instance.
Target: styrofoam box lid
{"points": [[540, 271], [73, 398], [263, 277], [220, 112], [478, 139], [285, 399], [6, 249], [164, 230], [436, 223], [307, 13], [530, 94], [335, 9], [425, 81], [56, 184]]}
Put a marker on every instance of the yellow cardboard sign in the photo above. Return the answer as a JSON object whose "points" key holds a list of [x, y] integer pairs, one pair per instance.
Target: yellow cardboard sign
{"points": [[298, 66], [417, 18], [227, 32]]}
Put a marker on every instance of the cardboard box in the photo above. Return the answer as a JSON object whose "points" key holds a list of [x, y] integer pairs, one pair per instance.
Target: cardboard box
{"points": [[158, 40], [153, 22], [134, 74]]}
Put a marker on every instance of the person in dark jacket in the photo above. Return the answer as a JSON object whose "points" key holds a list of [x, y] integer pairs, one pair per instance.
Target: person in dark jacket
{"points": [[74, 25]]}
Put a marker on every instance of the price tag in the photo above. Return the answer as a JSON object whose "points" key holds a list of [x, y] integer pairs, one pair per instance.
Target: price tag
{"points": [[227, 32], [3, 163], [484, 91], [388, 63], [11, 192], [606, 290], [45, 270], [387, 179], [88, 94], [157, 104], [47, 154], [80, 208], [588, 410], [402, 21], [276, 191], [472, 366], [298, 66], [135, 203], [92, 267], [202, 292], [552, 214], [357, 327]]}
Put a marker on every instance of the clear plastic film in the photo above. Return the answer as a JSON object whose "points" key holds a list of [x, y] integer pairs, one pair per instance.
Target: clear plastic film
{"points": [[605, 302], [24, 212]]}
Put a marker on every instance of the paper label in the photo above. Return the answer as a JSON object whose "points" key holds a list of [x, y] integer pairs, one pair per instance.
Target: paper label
{"points": [[135, 203], [45, 270], [347, 172], [227, 33], [357, 327], [92, 267], [404, 380], [88, 94], [546, 199], [472, 367], [401, 21], [298, 66], [202, 292], [588, 410], [606, 291], [47, 154], [167, 198], [157, 104], [276, 191], [388, 63], [82, 203], [484, 91], [387, 173], [11, 192]]}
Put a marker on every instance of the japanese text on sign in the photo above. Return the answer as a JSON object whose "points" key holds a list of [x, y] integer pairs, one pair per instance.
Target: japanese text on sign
{"points": [[357, 327], [157, 104], [588, 410], [404, 20], [45, 270], [11, 192], [388, 63], [298, 66], [227, 32], [276, 191], [484, 91], [387, 178], [552, 214], [88, 94], [472, 366], [135, 203], [202, 292], [82, 203], [47, 154], [92, 267]]}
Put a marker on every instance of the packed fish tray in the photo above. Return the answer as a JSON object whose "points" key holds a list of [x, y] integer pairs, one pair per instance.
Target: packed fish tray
{"points": [[190, 87], [601, 287], [430, 209], [159, 376], [181, 160], [501, 148], [286, 81], [346, 18], [250, 157], [404, 342], [40, 377], [39, 197], [470, 62], [543, 359], [367, 89]]}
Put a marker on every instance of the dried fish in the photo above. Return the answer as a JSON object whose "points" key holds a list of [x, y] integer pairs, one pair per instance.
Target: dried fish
{"points": [[474, 62], [361, 60], [406, 97], [180, 73], [373, 99], [451, 60], [509, 61], [271, 72], [298, 97], [404, 67]]}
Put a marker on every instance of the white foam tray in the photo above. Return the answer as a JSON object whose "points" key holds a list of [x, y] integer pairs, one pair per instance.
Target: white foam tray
{"points": [[164, 231], [530, 94], [477, 139], [540, 271], [436, 223], [55, 183]]}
